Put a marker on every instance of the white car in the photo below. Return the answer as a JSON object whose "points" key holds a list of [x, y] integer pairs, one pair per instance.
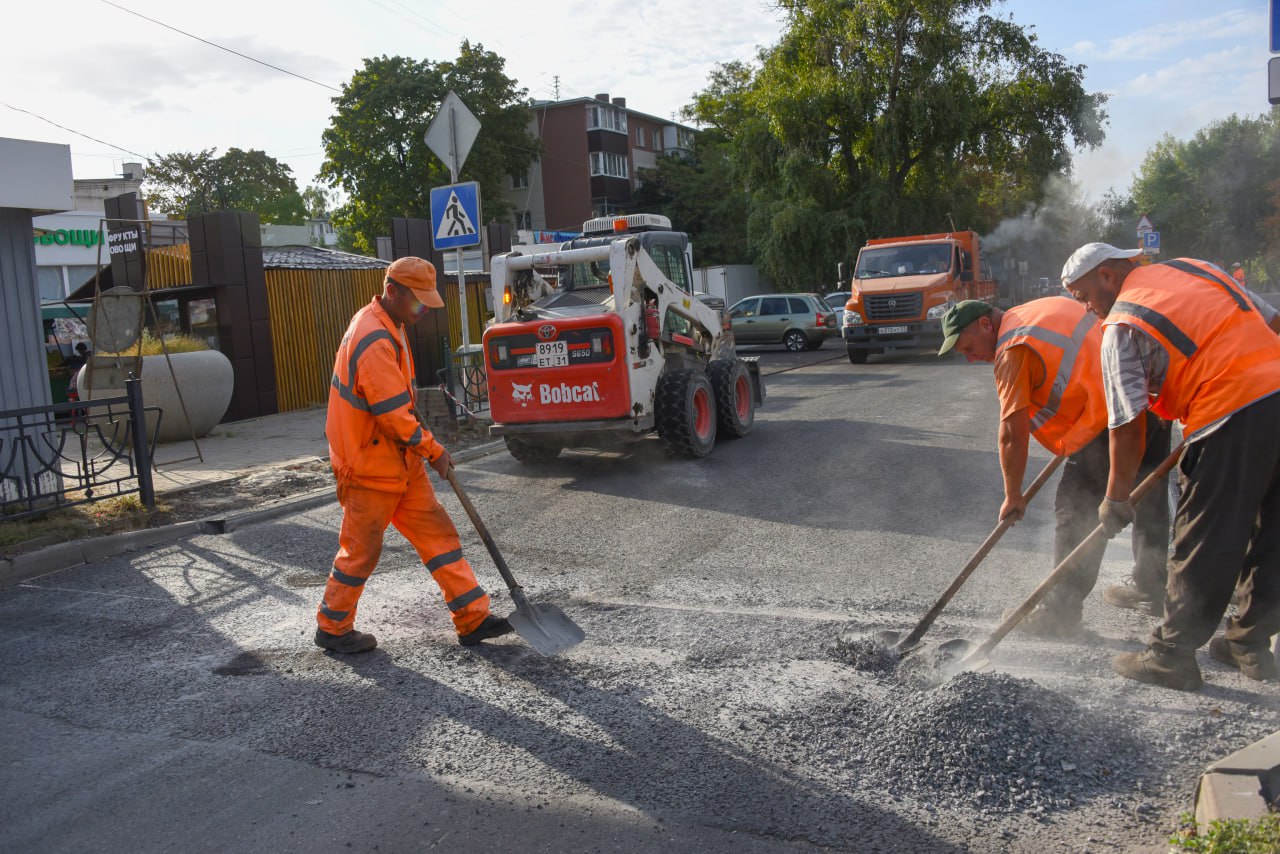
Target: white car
{"points": [[837, 299]]}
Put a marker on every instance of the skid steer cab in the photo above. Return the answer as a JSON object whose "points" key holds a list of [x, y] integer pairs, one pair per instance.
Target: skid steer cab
{"points": [[602, 342]]}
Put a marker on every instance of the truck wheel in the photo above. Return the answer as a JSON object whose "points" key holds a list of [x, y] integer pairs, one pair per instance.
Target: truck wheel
{"points": [[857, 357], [735, 406], [795, 341], [532, 452], [686, 413]]}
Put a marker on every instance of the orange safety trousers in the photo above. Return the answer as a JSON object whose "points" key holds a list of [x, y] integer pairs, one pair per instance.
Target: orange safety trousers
{"points": [[419, 516]]}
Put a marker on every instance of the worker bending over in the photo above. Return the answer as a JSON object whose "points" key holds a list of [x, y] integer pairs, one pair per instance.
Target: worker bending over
{"points": [[377, 447], [1184, 339], [1049, 381]]}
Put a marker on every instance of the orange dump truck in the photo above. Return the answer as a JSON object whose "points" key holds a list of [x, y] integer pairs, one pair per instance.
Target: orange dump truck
{"points": [[902, 286]]}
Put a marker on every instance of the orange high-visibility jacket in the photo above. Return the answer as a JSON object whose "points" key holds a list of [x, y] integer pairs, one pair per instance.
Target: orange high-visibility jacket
{"points": [[1222, 356], [373, 433], [1069, 409]]}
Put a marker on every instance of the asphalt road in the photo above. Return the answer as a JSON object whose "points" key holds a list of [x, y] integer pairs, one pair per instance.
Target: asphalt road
{"points": [[171, 700]]}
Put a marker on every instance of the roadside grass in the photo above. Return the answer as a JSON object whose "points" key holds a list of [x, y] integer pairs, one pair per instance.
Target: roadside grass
{"points": [[1228, 836], [83, 520]]}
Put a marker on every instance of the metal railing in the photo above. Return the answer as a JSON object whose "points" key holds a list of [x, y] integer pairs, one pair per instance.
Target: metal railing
{"points": [[66, 454], [465, 382]]}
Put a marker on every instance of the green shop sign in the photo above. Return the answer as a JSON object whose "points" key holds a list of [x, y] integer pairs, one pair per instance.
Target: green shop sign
{"points": [[67, 237]]}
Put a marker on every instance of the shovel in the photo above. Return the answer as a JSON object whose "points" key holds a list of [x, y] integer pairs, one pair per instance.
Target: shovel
{"points": [[901, 645], [972, 658], [544, 627]]}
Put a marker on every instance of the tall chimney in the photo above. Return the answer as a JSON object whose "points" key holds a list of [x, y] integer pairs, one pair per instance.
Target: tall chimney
{"points": [[620, 102], [603, 96]]}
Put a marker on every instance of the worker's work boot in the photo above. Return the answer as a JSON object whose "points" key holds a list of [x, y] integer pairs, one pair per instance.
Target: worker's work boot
{"points": [[348, 644], [1048, 622], [1129, 596], [1179, 672], [1256, 662], [492, 627]]}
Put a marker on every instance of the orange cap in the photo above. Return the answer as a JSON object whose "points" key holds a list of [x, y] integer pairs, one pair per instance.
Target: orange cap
{"points": [[419, 276]]}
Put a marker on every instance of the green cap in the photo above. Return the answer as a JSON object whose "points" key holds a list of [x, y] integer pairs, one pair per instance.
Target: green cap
{"points": [[958, 317]]}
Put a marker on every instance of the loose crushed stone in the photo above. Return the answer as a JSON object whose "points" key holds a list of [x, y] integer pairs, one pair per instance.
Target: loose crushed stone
{"points": [[988, 740], [865, 654]]}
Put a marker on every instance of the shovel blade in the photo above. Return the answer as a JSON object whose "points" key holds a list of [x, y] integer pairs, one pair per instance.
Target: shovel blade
{"points": [[546, 628]]}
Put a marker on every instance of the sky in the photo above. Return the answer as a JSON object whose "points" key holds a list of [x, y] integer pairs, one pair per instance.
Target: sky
{"points": [[137, 88]]}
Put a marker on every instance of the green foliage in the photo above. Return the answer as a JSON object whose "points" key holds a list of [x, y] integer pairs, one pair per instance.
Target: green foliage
{"points": [[184, 184], [374, 148], [174, 342], [316, 201], [698, 195], [1229, 836], [879, 117], [1215, 196]]}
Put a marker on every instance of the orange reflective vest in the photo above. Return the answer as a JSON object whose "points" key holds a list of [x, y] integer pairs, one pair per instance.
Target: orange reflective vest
{"points": [[1222, 356], [374, 434], [1069, 408]]}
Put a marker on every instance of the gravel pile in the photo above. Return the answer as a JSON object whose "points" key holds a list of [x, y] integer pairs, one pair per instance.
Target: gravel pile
{"points": [[865, 654], [1002, 743], [985, 743]]}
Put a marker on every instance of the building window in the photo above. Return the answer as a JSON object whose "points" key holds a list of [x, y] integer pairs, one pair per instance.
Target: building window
{"points": [[524, 219], [51, 287], [606, 118], [640, 138], [521, 181], [603, 206], [610, 165]]}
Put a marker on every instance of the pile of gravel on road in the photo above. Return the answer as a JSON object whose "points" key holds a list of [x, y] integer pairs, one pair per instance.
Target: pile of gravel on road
{"points": [[1006, 744], [985, 741], [866, 654]]}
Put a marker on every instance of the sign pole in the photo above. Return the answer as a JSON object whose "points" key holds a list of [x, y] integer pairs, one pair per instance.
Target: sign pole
{"points": [[462, 275]]}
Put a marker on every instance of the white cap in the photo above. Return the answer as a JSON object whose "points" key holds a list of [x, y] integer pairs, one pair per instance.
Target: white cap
{"points": [[1089, 256]]}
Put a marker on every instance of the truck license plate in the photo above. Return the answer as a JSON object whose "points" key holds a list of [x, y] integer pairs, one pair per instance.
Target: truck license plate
{"points": [[892, 330], [552, 354]]}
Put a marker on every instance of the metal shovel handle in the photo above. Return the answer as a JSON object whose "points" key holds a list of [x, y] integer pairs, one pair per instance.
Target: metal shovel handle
{"points": [[1066, 566], [926, 622]]}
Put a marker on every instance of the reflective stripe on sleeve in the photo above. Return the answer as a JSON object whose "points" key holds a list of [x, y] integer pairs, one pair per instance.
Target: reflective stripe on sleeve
{"points": [[416, 438], [391, 404], [1070, 347]]}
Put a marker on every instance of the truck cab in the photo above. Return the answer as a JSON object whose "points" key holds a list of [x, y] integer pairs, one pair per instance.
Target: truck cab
{"points": [[901, 287]]}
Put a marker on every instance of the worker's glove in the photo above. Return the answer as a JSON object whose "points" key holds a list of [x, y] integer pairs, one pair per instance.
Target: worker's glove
{"points": [[1115, 516], [442, 464]]}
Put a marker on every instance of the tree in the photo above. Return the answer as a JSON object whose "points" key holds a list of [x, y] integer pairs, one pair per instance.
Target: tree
{"points": [[374, 147], [880, 117], [1211, 197], [316, 200], [185, 184], [697, 193]]}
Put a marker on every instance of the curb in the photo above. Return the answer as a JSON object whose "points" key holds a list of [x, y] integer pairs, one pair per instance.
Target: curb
{"points": [[56, 558], [1238, 786]]}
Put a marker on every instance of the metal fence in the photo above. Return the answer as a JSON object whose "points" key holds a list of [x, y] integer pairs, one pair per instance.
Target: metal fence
{"points": [[465, 382], [67, 454]]}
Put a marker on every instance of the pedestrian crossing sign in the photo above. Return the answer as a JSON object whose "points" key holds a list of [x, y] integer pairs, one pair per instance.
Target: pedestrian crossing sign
{"points": [[455, 215]]}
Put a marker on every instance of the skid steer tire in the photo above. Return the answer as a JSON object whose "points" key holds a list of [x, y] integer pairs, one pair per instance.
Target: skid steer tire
{"points": [[531, 452], [686, 413], [735, 404], [858, 357]]}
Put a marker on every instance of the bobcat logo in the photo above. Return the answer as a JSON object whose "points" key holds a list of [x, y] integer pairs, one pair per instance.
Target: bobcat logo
{"points": [[522, 394]]}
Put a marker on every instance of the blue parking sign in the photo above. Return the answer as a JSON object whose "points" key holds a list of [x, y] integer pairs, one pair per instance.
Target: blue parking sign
{"points": [[455, 215], [1151, 242]]}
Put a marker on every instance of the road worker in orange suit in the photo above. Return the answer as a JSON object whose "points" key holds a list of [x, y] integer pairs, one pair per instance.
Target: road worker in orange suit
{"points": [[377, 447], [1049, 382], [1183, 339]]}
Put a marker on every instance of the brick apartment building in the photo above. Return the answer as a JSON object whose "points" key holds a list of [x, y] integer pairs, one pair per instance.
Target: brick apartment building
{"points": [[593, 151]]}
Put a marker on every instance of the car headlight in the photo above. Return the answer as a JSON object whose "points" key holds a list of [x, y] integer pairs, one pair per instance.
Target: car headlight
{"points": [[937, 311], [852, 318]]}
